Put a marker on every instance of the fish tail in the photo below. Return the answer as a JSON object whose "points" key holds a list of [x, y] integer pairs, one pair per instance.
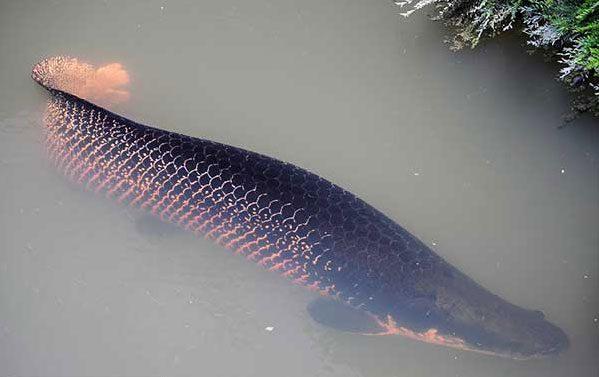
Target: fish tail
{"points": [[104, 85]]}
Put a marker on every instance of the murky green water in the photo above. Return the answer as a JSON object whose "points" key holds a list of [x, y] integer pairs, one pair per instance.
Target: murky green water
{"points": [[462, 149]]}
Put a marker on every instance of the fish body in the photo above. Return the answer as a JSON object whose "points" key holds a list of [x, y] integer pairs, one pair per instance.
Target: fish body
{"points": [[291, 222]]}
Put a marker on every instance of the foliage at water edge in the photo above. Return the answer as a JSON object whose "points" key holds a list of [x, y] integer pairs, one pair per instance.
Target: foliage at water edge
{"points": [[566, 29]]}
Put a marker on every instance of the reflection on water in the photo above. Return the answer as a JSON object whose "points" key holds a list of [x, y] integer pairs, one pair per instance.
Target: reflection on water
{"points": [[462, 149]]}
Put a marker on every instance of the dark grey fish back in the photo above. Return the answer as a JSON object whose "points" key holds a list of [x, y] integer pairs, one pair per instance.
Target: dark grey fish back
{"points": [[276, 214]]}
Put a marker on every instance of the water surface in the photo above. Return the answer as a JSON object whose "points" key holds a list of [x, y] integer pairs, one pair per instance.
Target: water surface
{"points": [[463, 149]]}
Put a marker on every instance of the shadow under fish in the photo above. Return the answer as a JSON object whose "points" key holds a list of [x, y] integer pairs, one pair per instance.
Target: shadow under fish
{"points": [[374, 276]]}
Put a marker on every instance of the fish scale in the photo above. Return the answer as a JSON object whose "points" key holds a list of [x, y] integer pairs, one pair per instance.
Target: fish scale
{"points": [[280, 216]]}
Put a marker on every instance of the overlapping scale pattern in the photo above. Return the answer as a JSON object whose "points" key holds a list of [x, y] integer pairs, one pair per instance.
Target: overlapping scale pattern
{"points": [[276, 214]]}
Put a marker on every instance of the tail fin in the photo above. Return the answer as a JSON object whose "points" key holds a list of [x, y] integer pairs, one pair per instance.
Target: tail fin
{"points": [[103, 86]]}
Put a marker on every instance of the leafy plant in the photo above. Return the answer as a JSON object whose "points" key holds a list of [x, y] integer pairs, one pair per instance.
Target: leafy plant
{"points": [[568, 29]]}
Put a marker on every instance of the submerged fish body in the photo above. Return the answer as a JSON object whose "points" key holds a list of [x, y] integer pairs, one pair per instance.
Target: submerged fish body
{"points": [[290, 221]]}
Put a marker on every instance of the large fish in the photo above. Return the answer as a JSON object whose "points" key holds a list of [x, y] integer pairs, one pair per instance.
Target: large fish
{"points": [[374, 276]]}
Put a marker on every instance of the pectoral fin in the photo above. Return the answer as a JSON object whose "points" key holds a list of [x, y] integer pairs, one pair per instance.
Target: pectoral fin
{"points": [[340, 316]]}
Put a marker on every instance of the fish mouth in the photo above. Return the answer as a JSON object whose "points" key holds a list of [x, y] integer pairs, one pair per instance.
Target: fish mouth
{"points": [[551, 342], [548, 352], [541, 340]]}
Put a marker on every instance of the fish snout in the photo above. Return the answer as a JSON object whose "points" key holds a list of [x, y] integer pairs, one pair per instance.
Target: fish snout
{"points": [[548, 339]]}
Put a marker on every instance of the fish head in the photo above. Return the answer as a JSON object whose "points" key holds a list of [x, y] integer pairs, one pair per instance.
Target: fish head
{"points": [[453, 310]]}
